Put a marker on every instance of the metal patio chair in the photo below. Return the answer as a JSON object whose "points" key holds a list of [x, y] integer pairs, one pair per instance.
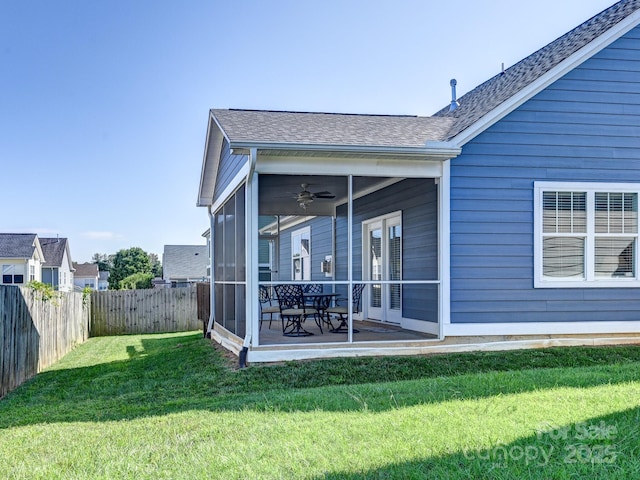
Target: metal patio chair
{"points": [[267, 305], [342, 311], [293, 311]]}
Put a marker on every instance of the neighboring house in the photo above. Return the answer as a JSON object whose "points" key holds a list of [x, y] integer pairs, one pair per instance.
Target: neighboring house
{"points": [[86, 275], [21, 258], [57, 270], [511, 213], [183, 265], [103, 281]]}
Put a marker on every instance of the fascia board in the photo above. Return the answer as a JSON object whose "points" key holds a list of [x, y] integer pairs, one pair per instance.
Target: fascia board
{"points": [[444, 150], [219, 138], [38, 250], [68, 254], [564, 67]]}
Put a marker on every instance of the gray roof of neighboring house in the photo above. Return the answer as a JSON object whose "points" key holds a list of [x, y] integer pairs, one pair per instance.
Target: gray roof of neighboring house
{"points": [[487, 96], [306, 128], [17, 245], [184, 261], [85, 270], [53, 250]]}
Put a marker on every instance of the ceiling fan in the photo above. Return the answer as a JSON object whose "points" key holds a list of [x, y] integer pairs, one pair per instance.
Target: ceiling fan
{"points": [[305, 197]]}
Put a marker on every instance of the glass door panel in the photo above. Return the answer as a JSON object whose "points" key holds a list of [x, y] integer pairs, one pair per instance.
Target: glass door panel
{"points": [[375, 270], [395, 264], [384, 242]]}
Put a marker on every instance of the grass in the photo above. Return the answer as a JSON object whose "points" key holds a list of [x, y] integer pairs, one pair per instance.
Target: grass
{"points": [[171, 406]]}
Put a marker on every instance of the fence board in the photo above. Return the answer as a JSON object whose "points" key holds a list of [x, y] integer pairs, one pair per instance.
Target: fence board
{"points": [[144, 311], [35, 333]]}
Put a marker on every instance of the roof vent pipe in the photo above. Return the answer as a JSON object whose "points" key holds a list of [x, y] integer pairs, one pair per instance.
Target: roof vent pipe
{"points": [[454, 102]]}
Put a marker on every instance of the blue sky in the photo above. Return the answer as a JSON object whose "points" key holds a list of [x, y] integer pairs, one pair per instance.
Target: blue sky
{"points": [[104, 104]]}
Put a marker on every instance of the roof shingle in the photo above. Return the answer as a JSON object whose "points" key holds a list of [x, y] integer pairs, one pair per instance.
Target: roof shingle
{"points": [[17, 245], [306, 128], [53, 250]]}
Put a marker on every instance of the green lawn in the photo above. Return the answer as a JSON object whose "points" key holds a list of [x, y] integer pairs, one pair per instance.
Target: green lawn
{"points": [[171, 406]]}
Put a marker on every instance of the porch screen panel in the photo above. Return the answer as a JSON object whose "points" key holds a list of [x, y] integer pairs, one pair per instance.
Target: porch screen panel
{"points": [[229, 240], [240, 313], [420, 302], [240, 260], [219, 307], [230, 264], [218, 246], [229, 308]]}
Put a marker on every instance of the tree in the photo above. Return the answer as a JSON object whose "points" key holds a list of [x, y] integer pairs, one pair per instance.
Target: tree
{"points": [[127, 262], [104, 261], [137, 281], [156, 266]]}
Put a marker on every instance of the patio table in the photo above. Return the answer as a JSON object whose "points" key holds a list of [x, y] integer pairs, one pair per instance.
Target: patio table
{"points": [[321, 301]]}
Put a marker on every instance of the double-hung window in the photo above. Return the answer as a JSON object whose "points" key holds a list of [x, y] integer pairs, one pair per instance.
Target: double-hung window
{"points": [[586, 235]]}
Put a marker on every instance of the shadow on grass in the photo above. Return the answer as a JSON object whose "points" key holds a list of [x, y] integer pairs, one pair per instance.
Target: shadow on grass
{"points": [[604, 447], [174, 374]]}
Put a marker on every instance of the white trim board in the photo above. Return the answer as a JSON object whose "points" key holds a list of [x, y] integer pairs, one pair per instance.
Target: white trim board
{"points": [[540, 328], [430, 347]]}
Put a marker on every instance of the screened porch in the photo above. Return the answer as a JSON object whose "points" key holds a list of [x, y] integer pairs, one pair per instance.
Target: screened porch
{"points": [[330, 234]]}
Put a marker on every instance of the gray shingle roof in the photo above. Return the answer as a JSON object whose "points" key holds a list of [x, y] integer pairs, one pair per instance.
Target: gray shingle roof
{"points": [[17, 245], [487, 96], [53, 250], [85, 270], [306, 128]]}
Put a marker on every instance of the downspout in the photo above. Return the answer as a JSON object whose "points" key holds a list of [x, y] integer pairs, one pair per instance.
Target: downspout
{"points": [[212, 298], [251, 251]]}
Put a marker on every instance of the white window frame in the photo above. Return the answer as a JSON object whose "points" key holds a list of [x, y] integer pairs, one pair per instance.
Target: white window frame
{"points": [[305, 273], [590, 280]]}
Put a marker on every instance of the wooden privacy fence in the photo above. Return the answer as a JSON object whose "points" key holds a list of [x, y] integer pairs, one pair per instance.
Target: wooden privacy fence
{"points": [[204, 304], [35, 333], [144, 311]]}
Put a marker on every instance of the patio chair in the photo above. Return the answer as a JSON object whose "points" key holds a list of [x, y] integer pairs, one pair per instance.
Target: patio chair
{"points": [[311, 288], [267, 306], [293, 311], [342, 311]]}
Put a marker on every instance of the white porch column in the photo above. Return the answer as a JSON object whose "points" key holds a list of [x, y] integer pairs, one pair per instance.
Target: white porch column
{"points": [[350, 257], [444, 227], [252, 335]]}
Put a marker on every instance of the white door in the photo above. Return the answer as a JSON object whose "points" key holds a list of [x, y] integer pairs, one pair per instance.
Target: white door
{"points": [[383, 242]]}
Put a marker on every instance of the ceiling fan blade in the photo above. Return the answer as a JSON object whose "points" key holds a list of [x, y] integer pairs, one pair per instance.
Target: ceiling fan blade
{"points": [[324, 194]]}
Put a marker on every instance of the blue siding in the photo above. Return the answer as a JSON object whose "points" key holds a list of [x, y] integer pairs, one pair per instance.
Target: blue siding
{"points": [[229, 167], [584, 127], [321, 245]]}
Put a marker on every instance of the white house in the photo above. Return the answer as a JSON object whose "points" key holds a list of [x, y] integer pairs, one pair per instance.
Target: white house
{"points": [[57, 269], [510, 213], [184, 264], [21, 258], [86, 275]]}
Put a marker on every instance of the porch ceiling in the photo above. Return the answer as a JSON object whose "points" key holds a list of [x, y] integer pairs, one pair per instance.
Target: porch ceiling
{"points": [[277, 193]]}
